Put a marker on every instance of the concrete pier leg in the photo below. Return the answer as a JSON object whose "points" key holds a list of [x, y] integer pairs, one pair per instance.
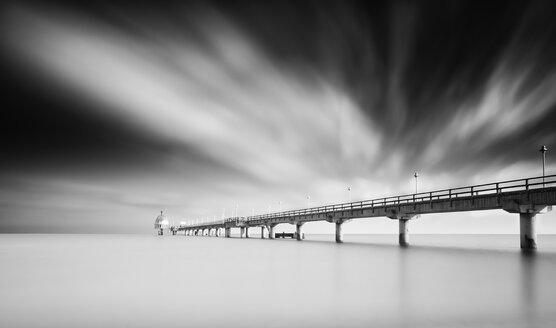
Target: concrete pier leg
{"points": [[339, 232], [241, 232], [298, 230], [217, 233], [404, 233], [227, 232], [262, 232], [271, 232], [527, 231], [246, 232]]}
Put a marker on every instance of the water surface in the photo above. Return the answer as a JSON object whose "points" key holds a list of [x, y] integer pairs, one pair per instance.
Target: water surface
{"points": [[177, 281]]}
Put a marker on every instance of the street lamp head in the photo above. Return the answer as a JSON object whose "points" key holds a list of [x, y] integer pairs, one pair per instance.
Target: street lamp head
{"points": [[543, 149], [416, 174]]}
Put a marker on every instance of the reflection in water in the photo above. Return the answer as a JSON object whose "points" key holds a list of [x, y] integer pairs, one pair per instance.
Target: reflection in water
{"points": [[528, 285]]}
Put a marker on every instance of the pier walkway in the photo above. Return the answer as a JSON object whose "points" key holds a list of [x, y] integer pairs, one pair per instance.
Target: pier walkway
{"points": [[526, 197]]}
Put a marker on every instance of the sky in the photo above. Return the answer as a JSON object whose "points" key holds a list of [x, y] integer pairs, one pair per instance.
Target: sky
{"points": [[208, 109]]}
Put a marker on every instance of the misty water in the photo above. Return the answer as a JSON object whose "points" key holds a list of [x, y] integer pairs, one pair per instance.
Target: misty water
{"points": [[179, 281]]}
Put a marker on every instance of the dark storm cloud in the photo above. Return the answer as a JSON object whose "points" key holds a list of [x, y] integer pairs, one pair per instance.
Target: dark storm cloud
{"points": [[412, 65], [214, 101]]}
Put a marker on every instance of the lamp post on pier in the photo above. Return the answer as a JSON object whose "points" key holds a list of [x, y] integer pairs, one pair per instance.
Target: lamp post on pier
{"points": [[349, 194], [543, 151], [416, 175]]}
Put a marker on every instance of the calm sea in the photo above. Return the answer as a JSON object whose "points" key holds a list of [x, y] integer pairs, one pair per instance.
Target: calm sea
{"points": [[178, 281]]}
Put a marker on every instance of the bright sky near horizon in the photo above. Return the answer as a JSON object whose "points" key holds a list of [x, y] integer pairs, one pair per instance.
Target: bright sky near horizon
{"points": [[117, 112]]}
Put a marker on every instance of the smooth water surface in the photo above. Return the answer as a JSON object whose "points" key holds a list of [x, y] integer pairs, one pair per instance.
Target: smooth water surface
{"points": [[179, 281]]}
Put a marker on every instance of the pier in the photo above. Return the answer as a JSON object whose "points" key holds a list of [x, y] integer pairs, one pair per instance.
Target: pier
{"points": [[526, 197]]}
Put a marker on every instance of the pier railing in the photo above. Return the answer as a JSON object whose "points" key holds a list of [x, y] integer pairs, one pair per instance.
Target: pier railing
{"points": [[429, 196]]}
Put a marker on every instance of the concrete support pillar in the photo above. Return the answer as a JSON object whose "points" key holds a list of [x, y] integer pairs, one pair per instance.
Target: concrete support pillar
{"points": [[217, 232], [227, 232], [339, 232], [404, 232], [527, 231], [241, 232], [298, 230], [246, 232], [271, 231], [262, 232]]}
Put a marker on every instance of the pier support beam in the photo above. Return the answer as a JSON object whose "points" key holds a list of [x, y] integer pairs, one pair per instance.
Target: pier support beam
{"points": [[227, 232], [339, 232], [527, 222], [217, 233], [403, 221], [246, 232], [241, 232], [262, 232], [403, 238], [527, 231], [271, 231], [298, 230]]}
